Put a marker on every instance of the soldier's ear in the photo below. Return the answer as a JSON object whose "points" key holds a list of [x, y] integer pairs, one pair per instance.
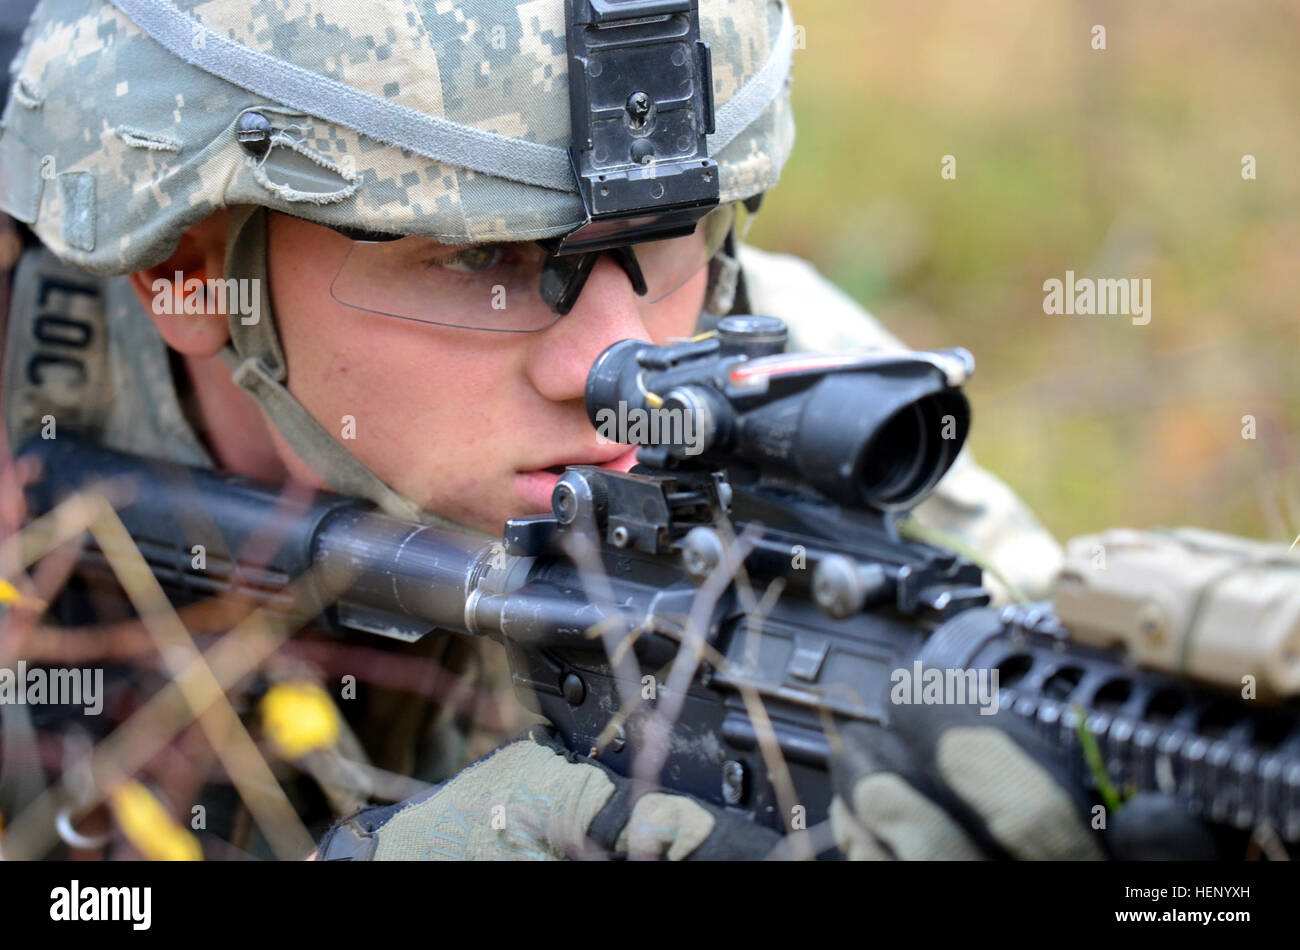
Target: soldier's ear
{"points": [[186, 295]]}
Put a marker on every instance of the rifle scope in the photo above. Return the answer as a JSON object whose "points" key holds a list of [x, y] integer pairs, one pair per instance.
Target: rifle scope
{"points": [[868, 429]]}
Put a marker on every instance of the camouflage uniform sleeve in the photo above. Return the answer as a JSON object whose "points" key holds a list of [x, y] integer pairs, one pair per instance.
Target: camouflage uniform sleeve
{"points": [[969, 504]]}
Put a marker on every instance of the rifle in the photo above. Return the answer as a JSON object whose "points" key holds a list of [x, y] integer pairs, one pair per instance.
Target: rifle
{"points": [[706, 619]]}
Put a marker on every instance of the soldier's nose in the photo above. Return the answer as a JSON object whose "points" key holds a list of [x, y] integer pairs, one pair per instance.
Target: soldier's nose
{"points": [[608, 310]]}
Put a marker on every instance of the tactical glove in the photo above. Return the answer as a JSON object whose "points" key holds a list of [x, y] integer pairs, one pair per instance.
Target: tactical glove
{"points": [[532, 800], [948, 783]]}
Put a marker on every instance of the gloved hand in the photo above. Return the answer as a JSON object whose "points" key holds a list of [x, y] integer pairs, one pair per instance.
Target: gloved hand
{"points": [[948, 783], [532, 800]]}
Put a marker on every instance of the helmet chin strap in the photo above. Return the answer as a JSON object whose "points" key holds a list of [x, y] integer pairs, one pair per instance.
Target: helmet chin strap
{"points": [[726, 281], [258, 367]]}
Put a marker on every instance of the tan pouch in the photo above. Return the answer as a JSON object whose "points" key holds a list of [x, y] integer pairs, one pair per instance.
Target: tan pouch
{"points": [[1213, 607]]}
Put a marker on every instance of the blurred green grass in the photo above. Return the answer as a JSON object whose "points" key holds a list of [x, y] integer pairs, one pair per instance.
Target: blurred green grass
{"points": [[1123, 162]]}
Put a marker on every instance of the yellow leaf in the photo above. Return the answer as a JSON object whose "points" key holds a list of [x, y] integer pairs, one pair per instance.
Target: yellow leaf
{"points": [[9, 594], [149, 827], [298, 718]]}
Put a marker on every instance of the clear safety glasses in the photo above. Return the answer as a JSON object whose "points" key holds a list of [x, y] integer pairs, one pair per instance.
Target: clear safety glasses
{"points": [[510, 288]]}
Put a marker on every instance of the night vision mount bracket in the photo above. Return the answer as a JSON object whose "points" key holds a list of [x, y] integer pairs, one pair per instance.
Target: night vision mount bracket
{"points": [[641, 103]]}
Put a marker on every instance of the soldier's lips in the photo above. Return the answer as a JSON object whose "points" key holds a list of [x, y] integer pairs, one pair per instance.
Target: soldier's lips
{"points": [[535, 485]]}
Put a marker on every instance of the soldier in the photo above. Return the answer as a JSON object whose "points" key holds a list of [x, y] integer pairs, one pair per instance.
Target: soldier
{"points": [[367, 196]]}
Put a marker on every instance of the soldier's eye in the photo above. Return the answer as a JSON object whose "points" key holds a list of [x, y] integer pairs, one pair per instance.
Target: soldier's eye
{"points": [[471, 260]]}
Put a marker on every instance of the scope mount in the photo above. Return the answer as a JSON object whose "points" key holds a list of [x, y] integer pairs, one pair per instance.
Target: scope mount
{"points": [[850, 560]]}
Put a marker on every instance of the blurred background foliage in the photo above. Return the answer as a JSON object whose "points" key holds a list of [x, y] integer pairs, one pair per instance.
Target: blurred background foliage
{"points": [[1123, 162]]}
